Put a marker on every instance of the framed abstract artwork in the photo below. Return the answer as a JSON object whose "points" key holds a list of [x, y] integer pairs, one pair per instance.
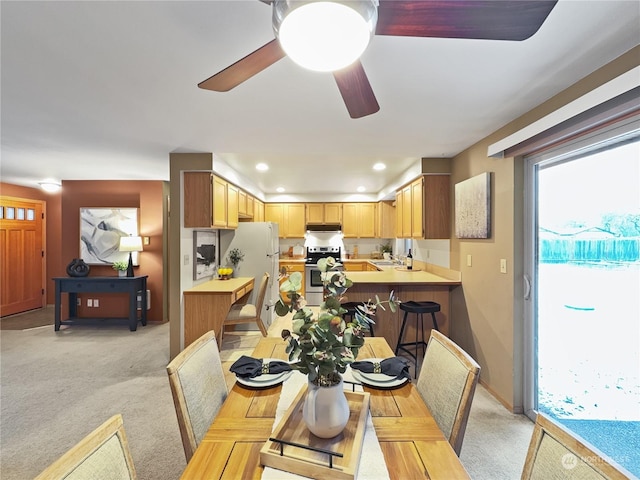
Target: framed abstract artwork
{"points": [[100, 232], [473, 207]]}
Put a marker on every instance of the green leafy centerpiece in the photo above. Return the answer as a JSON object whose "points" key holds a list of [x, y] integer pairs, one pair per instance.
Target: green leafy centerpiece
{"points": [[322, 345]]}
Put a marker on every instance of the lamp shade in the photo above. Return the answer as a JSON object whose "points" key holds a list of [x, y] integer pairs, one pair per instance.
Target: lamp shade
{"points": [[130, 244]]}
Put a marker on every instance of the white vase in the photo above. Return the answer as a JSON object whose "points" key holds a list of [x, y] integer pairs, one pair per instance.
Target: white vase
{"points": [[326, 410], [122, 273]]}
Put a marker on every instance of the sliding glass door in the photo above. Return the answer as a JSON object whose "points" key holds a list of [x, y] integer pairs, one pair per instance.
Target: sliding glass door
{"points": [[583, 290]]}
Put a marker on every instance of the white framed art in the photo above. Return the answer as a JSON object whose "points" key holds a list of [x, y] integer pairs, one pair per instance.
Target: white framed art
{"points": [[473, 207], [100, 232]]}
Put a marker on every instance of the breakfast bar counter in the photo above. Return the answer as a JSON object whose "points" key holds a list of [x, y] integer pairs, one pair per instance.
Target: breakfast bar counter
{"points": [[427, 283]]}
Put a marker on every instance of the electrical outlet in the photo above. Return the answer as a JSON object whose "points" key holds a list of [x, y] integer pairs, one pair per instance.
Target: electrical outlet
{"points": [[185, 259], [503, 265], [89, 302], [96, 302], [469, 260]]}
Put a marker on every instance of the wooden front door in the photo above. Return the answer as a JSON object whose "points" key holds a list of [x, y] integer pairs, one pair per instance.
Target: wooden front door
{"points": [[21, 255]]}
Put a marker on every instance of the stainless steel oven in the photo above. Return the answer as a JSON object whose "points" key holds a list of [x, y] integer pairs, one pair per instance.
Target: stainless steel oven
{"points": [[313, 288]]}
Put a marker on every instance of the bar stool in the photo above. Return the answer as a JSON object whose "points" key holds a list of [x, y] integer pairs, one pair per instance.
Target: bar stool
{"points": [[351, 308], [419, 308]]}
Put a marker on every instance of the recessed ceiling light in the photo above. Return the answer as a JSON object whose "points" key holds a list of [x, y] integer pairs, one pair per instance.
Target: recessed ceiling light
{"points": [[361, 189], [263, 167], [379, 166], [280, 189]]}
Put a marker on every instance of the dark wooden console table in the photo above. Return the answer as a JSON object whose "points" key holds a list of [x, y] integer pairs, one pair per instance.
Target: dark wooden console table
{"points": [[75, 285]]}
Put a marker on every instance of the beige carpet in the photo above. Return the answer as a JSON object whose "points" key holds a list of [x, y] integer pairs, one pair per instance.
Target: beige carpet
{"points": [[57, 387]]}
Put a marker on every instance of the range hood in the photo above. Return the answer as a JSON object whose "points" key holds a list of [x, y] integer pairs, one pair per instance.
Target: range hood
{"points": [[327, 227]]}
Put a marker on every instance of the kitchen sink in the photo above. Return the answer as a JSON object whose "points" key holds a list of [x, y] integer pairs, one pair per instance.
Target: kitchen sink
{"points": [[382, 262]]}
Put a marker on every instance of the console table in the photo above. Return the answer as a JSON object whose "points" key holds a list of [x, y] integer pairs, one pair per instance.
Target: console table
{"points": [[75, 285]]}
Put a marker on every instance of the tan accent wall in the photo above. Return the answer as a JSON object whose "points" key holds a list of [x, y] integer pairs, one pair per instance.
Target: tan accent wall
{"points": [[178, 162], [488, 308]]}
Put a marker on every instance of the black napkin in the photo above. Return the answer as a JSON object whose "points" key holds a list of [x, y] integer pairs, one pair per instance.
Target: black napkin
{"points": [[394, 367], [249, 367]]}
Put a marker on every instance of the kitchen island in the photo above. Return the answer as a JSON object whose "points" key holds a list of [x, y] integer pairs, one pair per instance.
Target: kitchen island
{"points": [[426, 282], [207, 305]]}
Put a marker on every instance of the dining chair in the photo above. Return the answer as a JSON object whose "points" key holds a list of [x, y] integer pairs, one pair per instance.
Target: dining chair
{"points": [[447, 383], [556, 453], [198, 388], [248, 313], [103, 454]]}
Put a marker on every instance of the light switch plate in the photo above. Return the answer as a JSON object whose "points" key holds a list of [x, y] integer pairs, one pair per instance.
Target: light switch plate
{"points": [[469, 260], [503, 265]]}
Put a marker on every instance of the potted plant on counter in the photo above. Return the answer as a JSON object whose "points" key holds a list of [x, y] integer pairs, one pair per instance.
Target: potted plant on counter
{"points": [[386, 250]]}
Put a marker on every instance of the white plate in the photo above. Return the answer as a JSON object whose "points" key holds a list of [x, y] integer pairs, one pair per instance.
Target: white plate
{"points": [[266, 379], [377, 379], [393, 382]]}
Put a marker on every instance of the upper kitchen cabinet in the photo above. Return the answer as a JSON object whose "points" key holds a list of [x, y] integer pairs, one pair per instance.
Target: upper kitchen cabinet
{"points": [[423, 208], [386, 224], [324, 213], [209, 201], [233, 199], [258, 210], [289, 216], [359, 220], [246, 206]]}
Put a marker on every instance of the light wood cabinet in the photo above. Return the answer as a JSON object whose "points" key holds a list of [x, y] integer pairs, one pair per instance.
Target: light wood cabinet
{"points": [[209, 201], [250, 206], [386, 220], [359, 220], [242, 204], [423, 208], [291, 267], [324, 213], [232, 205], [355, 266], [290, 218], [198, 200], [258, 210]]}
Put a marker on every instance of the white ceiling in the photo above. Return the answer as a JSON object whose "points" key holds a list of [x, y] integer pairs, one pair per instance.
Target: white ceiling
{"points": [[106, 90]]}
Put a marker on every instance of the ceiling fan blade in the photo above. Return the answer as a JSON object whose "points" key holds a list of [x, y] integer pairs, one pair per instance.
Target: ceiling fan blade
{"points": [[244, 69], [356, 91], [479, 19]]}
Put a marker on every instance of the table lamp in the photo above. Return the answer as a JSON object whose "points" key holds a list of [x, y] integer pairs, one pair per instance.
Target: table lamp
{"points": [[130, 244]]}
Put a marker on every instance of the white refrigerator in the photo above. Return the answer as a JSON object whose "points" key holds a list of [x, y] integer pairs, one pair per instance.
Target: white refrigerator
{"points": [[261, 247]]}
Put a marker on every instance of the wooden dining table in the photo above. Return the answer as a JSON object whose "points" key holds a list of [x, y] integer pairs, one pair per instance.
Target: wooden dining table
{"points": [[412, 444]]}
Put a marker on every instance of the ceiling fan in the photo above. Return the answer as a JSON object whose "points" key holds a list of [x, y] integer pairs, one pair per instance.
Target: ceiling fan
{"points": [[471, 19]]}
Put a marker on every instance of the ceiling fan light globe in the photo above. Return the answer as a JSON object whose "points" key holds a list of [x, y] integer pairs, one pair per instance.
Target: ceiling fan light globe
{"points": [[324, 36]]}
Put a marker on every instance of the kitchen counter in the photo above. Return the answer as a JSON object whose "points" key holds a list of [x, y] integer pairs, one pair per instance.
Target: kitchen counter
{"points": [[207, 305], [430, 283], [395, 275]]}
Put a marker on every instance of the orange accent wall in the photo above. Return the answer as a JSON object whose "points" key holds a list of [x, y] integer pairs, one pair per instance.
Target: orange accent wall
{"points": [[63, 235]]}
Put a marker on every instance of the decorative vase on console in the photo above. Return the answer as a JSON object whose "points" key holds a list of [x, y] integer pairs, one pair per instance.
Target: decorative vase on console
{"points": [[77, 268], [322, 345]]}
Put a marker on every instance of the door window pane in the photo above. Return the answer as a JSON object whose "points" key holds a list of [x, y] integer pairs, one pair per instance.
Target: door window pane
{"points": [[588, 300]]}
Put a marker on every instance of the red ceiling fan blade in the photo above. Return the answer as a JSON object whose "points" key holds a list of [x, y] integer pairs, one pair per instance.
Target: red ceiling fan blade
{"points": [[356, 91], [244, 69], [479, 19]]}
